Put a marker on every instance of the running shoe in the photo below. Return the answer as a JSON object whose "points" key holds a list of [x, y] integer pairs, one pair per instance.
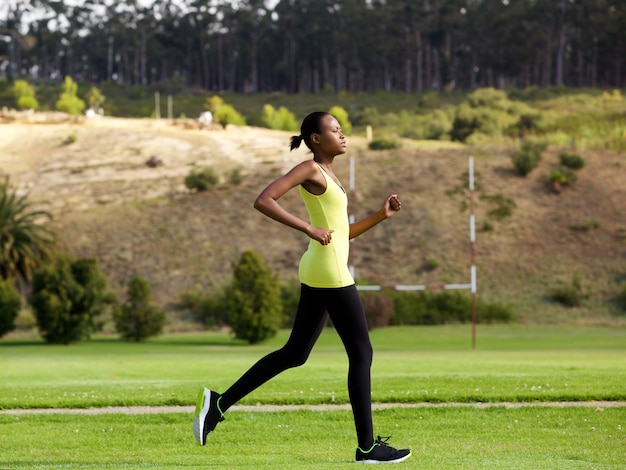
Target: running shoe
{"points": [[381, 452], [207, 414]]}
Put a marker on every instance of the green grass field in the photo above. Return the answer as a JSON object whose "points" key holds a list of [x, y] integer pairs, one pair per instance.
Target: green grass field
{"points": [[434, 367]]}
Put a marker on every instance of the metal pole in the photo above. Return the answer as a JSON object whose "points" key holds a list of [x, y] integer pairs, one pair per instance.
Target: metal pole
{"points": [[472, 250]]}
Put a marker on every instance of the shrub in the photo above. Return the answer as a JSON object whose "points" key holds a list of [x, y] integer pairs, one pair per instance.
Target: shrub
{"points": [[290, 298], [527, 157], [384, 144], [254, 304], [24, 95], [226, 115], [25, 320], [569, 295], [562, 176], [208, 309], [137, 319], [572, 161], [487, 111], [213, 103], [378, 309], [68, 101], [281, 119], [10, 304], [436, 308], [235, 177], [621, 299], [436, 125], [341, 115], [528, 123], [503, 206], [202, 180], [66, 297], [95, 98], [369, 116]]}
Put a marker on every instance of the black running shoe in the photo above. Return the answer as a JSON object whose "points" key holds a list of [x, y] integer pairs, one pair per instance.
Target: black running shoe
{"points": [[381, 452], [207, 414]]}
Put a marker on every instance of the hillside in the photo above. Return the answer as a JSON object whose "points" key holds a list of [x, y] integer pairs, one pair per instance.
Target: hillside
{"points": [[134, 218]]}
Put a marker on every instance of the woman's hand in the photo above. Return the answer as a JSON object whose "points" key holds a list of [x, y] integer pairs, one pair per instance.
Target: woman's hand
{"points": [[391, 205], [322, 235]]}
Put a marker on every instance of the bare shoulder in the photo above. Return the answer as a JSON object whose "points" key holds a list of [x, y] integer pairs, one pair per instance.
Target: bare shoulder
{"points": [[304, 171]]}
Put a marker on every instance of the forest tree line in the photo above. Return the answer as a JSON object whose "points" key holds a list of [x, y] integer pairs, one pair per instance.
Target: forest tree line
{"points": [[296, 46]]}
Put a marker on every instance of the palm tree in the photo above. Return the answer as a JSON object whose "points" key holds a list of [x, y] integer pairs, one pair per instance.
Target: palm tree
{"points": [[26, 239]]}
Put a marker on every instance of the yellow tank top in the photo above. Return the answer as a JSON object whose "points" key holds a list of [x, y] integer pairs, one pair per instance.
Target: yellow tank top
{"points": [[327, 265]]}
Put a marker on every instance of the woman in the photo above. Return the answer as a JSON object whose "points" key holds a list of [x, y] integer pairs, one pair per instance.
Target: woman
{"points": [[327, 287]]}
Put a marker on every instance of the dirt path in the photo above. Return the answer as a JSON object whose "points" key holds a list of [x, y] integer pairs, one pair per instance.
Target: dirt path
{"points": [[138, 410]]}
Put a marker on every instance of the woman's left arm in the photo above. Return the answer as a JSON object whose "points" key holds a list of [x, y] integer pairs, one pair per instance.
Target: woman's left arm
{"points": [[390, 207]]}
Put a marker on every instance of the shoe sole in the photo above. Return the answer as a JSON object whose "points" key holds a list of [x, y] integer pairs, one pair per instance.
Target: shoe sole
{"points": [[401, 459], [203, 404]]}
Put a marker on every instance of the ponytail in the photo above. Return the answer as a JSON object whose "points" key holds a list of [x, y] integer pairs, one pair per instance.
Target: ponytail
{"points": [[310, 125], [295, 142]]}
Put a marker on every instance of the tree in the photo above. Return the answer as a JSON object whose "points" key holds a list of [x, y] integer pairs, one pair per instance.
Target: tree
{"points": [[254, 301], [26, 239], [137, 319], [10, 304], [67, 295], [68, 101]]}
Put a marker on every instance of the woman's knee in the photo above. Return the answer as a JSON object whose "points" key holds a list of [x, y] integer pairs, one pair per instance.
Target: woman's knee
{"points": [[293, 358]]}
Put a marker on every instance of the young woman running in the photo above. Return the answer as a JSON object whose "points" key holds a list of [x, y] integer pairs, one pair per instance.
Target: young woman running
{"points": [[327, 287]]}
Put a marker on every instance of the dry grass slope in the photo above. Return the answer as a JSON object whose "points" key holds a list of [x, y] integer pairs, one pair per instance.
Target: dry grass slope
{"points": [[109, 204]]}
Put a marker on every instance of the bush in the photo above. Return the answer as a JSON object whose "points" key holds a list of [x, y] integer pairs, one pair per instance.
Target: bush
{"points": [[213, 103], [569, 295], [562, 176], [67, 296], [226, 115], [254, 304], [621, 299], [235, 177], [290, 298], [95, 98], [281, 119], [10, 304], [210, 309], [202, 180], [487, 111], [369, 116], [503, 206], [527, 123], [527, 157], [572, 161], [341, 115], [68, 101], [437, 308], [384, 144], [378, 309], [436, 125], [24, 95], [137, 319]]}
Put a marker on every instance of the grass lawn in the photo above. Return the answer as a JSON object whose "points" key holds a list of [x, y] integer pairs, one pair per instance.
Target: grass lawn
{"points": [[532, 364], [440, 438]]}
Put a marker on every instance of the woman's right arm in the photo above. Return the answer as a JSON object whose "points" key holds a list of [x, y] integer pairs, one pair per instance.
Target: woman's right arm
{"points": [[266, 202]]}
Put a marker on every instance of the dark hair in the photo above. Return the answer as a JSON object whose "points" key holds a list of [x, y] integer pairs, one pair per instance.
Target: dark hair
{"points": [[310, 125]]}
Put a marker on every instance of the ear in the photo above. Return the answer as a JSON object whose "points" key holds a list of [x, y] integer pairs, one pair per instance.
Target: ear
{"points": [[315, 138]]}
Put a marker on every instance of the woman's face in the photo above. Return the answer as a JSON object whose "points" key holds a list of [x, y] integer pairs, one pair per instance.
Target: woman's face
{"points": [[330, 139]]}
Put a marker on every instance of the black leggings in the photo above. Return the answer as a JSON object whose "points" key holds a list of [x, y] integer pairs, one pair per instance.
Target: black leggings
{"points": [[346, 312]]}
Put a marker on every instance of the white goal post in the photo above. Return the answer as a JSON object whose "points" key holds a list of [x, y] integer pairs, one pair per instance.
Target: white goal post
{"points": [[471, 285]]}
